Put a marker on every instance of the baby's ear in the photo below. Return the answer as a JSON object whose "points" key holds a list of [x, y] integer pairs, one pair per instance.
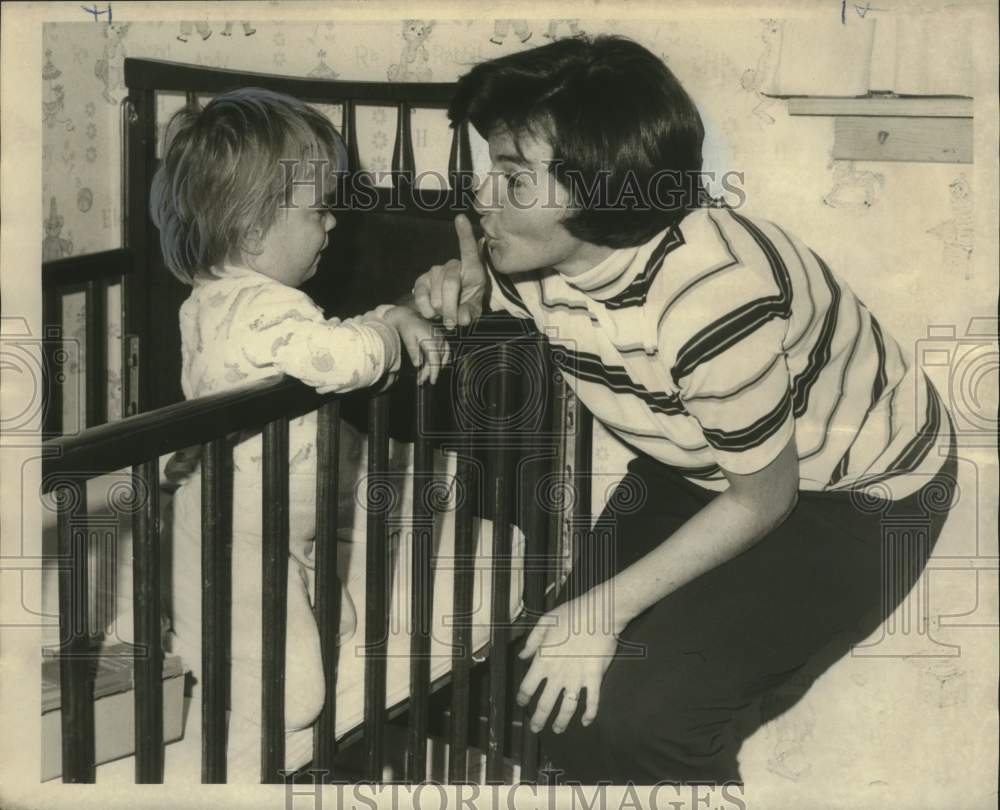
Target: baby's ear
{"points": [[253, 239]]}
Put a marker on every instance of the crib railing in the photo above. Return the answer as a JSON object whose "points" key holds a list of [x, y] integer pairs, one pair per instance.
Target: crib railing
{"points": [[92, 275], [137, 442]]}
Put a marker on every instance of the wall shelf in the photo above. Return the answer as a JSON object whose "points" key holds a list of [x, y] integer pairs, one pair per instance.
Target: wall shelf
{"points": [[925, 129], [915, 106]]}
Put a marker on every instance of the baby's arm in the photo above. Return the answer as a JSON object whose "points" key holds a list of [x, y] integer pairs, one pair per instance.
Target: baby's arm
{"points": [[283, 329]]}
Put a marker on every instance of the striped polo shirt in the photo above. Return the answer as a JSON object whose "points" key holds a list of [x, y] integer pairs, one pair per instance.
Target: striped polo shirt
{"points": [[715, 342]]}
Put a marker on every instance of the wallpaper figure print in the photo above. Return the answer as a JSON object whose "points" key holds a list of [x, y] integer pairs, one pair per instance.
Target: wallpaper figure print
{"points": [[84, 199], [412, 61], [68, 156], [53, 245], [54, 101], [758, 79], [552, 31], [501, 29], [958, 233], [853, 188], [186, 30], [248, 29], [110, 68], [322, 70]]}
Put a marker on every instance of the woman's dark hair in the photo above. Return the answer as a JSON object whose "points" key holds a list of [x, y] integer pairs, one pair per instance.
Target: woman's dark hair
{"points": [[626, 137]]}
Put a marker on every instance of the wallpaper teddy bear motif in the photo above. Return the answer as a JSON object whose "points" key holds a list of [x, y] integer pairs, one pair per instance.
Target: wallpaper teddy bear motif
{"points": [[853, 188], [411, 66], [110, 68], [757, 80]]}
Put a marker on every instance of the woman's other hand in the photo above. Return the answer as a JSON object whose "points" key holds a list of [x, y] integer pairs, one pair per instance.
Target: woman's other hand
{"points": [[573, 646], [455, 291]]}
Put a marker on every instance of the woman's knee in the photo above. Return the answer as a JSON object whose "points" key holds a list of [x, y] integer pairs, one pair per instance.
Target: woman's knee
{"points": [[677, 718]]}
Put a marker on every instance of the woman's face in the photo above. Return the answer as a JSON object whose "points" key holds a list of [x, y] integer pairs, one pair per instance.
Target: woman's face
{"points": [[523, 208]]}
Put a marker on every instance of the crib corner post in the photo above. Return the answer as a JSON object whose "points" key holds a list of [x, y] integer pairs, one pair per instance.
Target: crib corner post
{"points": [[148, 661], [76, 654]]}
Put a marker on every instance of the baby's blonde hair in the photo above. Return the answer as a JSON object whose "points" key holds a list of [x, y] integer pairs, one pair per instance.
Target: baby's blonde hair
{"points": [[226, 173]]}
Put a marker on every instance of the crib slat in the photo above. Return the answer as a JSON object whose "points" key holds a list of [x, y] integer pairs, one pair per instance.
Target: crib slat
{"points": [[351, 136], [216, 600], [460, 164], [146, 606], [464, 567], [275, 590], [564, 420], [76, 661], [499, 398], [538, 566], [461, 660], [564, 425], [376, 587], [421, 596], [582, 448], [54, 366], [328, 593], [460, 156], [403, 162], [96, 353]]}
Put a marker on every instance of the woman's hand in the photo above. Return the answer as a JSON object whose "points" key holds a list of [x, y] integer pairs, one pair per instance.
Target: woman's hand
{"points": [[428, 349], [573, 646], [455, 291]]}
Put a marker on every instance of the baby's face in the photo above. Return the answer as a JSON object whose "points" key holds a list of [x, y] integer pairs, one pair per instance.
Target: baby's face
{"points": [[290, 250]]}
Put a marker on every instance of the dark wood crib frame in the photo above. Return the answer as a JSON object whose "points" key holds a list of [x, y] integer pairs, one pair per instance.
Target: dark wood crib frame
{"points": [[507, 454]]}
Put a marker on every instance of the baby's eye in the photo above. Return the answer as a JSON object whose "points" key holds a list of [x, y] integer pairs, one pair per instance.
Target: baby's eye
{"points": [[515, 179]]}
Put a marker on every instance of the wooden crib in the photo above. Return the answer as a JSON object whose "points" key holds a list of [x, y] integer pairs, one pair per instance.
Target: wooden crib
{"points": [[502, 407]]}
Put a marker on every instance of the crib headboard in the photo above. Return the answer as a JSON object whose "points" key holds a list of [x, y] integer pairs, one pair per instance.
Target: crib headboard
{"points": [[374, 256]]}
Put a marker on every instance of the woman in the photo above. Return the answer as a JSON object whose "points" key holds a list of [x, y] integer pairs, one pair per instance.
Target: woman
{"points": [[773, 418]]}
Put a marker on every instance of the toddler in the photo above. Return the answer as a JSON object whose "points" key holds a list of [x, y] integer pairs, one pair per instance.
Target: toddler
{"points": [[235, 200]]}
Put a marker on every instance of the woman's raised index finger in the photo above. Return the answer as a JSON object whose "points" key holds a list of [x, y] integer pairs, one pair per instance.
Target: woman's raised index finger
{"points": [[467, 246]]}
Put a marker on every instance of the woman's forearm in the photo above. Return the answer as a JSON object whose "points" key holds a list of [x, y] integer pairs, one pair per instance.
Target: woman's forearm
{"points": [[723, 529]]}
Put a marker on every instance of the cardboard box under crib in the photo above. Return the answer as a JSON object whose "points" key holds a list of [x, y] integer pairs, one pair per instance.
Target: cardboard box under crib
{"points": [[114, 707]]}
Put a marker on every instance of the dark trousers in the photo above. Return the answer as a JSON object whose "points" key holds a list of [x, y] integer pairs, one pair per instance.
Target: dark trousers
{"points": [[740, 644]]}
